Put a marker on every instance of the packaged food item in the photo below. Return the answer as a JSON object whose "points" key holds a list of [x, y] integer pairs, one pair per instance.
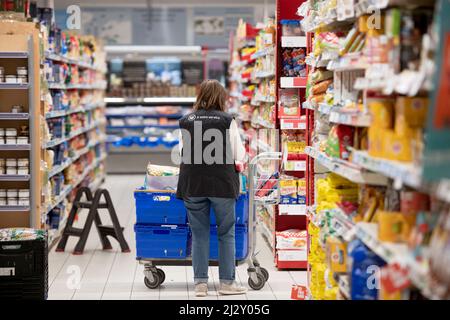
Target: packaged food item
{"points": [[339, 139], [11, 140], [24, 202], [301, 191], [321, 87], [336, 251], [291, 239], [413, 110], [382, 113], [364, 264], [288, 191], [11, 132], [320, 75], [12, 202], [11, 170], [291, 28]]}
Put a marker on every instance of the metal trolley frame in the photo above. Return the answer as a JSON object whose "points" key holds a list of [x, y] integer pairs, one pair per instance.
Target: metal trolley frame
{"points": [[257, 275]]}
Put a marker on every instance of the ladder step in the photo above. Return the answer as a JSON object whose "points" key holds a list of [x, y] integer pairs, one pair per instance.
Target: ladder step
{"points": [[88, 205], [83, 205], [72, 231], [108, 230]]}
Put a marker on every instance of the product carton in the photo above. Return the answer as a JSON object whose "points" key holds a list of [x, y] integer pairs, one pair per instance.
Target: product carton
{"points": [[413, 109]]}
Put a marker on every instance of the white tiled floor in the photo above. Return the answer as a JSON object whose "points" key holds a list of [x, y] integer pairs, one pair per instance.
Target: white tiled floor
{"points": [[113, 275]]}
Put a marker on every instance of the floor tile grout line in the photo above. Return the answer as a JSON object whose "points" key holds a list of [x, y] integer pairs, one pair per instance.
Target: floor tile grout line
{"points": [[109, 273], [60, 269], [86, 268], [134, 278]]}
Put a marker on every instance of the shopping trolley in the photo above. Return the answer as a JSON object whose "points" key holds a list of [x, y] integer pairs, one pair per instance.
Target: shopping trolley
{"points": [[163, 235]]}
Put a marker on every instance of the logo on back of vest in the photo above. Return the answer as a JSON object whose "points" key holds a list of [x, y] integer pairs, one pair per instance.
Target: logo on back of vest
{"points": [[161, 198], [192, 117]]}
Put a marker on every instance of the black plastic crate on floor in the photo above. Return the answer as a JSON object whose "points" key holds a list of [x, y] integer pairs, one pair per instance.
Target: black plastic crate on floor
{"points": [[24, 269]]}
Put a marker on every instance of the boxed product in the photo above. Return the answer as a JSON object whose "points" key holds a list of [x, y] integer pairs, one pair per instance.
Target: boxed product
{"points": [[301, 191], [288, 191], [413, 109], [292, 239], [336, 251]]}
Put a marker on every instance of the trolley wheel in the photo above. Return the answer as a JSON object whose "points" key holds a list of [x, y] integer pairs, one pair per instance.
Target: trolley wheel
{"points": [[259, 284], [162, 275], [264, 273], [155, 283]]}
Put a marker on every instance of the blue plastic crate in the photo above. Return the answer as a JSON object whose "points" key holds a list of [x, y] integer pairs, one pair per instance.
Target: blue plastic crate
{"points": [[162, 242], [241, 242], [241, 210], [159, 208]]}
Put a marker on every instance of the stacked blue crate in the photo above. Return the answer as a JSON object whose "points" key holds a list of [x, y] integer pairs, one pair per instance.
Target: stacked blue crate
{"points": [[162, 230]]}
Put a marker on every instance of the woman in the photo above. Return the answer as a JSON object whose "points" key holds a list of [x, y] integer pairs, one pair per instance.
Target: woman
{"points": [[210, 145]]}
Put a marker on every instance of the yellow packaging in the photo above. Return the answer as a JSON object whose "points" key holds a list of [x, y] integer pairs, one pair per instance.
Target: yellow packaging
{"points": [[413, 109], [382, 112], [376, 141], [390, 226], [395, 226], [368, 24], [397, 147], [336, 255]]}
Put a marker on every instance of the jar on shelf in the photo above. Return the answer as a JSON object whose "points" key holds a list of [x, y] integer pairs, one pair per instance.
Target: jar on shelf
{"points": [[12, 193], [11, 132], [23, 162], [11, 171], [13, 201]]}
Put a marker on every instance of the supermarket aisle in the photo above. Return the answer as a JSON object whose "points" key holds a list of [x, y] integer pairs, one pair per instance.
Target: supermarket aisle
{"points": [[99, 274]]}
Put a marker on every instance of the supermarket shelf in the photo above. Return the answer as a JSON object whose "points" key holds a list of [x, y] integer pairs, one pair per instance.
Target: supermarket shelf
{"points": [[395, 253], [14, 209], [292, 124], [308, 105], [403, 174], [8, 177], [81, 64], [293, 82], [151, 100], [294, 166], [141, 127], [292, 209], [14, 116], [78, 155], [14, 86], [293, 42], [14, 55], [63, 113], [154, 116], [263, 74], [262, 53], [346, 169], [67, 190], [15, 147], [60, 86], [53, 143], [355, 119]]}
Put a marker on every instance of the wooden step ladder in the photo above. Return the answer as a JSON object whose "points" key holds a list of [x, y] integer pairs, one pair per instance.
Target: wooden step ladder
{"points": [[93, 204]]}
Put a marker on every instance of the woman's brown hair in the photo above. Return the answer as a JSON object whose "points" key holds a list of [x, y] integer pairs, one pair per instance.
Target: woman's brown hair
{"points": [[212, 96]]}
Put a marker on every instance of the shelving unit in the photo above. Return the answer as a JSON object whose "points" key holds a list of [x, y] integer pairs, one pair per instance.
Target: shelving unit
{"points": [[403, 178], [15, 51], [20, 45]]}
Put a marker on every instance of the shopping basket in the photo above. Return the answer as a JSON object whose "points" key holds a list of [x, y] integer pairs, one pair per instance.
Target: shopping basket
{"points": [[163, 237]]}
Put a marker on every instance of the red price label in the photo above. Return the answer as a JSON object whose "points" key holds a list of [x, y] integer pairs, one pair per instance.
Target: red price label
{"points": [[299, 293]]}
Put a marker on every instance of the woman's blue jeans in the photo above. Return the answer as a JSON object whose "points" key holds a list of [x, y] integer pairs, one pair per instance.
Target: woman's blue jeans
{"points": [[198, 209]]}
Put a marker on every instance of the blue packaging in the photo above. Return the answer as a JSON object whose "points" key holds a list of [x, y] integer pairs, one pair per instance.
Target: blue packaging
{"points": [[365, 272]]}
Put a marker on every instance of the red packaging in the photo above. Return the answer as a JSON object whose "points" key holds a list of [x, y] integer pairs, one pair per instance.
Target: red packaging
{"points": [[345, 135]]}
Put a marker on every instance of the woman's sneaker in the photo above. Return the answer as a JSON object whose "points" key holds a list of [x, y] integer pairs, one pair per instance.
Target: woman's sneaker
{"points": [[231, 289], [201, 290]]}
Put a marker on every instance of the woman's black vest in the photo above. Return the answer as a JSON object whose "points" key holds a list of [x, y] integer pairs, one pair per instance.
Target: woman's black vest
{"points": [[207, 167]]}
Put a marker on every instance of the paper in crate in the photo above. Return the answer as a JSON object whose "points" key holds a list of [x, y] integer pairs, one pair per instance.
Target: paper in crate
{"points": [[161, 177]]}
